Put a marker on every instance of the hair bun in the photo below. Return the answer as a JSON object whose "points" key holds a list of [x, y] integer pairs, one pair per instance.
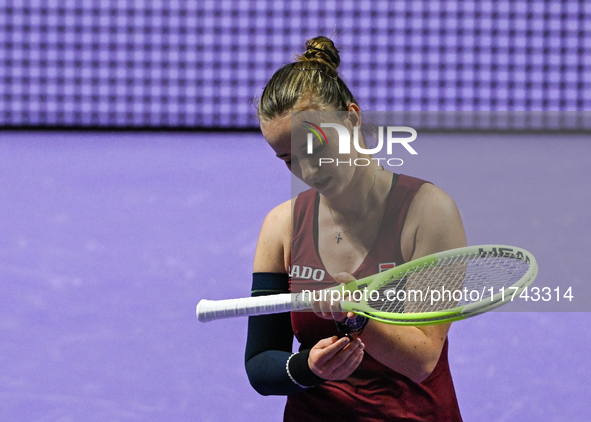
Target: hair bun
{"points": [[323, 50]]}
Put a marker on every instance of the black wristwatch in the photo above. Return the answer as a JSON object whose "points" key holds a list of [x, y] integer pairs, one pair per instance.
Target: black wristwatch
{"points": [[353, 325]]}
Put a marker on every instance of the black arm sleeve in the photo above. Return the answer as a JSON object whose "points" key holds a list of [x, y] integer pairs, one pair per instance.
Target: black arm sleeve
{"points": [[269, 345]]}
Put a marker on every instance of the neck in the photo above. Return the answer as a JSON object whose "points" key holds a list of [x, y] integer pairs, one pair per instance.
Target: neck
{"points": [[361, 193]]}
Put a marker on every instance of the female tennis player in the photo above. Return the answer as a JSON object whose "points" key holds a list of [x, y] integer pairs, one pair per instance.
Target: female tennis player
{"points": [[353, 221]]}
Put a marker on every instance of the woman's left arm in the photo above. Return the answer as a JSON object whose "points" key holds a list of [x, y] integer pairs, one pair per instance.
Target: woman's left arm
{"points": [[433, 224]]}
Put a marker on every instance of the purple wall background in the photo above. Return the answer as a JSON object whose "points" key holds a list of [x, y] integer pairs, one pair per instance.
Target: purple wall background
{"points": [[109, 240], [199, 64]]}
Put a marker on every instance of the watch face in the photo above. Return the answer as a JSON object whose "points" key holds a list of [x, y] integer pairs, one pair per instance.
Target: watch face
{"points": [[357, 323]]}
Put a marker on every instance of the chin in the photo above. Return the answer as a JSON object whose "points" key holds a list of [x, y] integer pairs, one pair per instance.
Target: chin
{"points": [[330, 191]]}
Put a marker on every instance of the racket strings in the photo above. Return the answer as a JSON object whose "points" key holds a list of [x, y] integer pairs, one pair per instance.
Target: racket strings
{"points": [[449, 283]]}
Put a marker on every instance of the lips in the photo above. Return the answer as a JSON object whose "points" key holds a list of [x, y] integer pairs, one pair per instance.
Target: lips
{"points": [[322, 184]]}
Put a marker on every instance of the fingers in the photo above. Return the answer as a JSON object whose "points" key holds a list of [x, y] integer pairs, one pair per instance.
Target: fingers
{"points": [[344, 278], [330, 306], [333, 341], [333, 358], [329, 309], [336, 359], [330, 347]]}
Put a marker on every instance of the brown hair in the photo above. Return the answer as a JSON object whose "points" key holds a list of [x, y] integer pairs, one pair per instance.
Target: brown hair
{"points": [[314, 74]]}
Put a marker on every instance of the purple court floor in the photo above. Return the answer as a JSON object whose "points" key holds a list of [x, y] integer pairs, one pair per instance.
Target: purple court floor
{"points": [[109, 240]]}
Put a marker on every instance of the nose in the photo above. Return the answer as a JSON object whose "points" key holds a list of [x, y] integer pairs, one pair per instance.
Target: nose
{"points": [[309, 170]]}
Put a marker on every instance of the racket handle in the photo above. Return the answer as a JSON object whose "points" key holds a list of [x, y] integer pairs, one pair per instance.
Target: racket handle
{"points": [[209, 310]]}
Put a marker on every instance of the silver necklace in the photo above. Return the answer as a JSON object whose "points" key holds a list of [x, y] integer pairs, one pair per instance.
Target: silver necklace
{"points": [[338, 237]]}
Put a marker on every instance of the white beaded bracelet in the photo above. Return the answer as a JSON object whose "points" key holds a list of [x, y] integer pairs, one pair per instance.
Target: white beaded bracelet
{"points": [[289, 373]]}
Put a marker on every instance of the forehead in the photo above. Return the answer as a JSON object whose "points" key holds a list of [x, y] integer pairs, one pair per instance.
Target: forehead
{"points": [[281, 131], [277, 133], [277, 130]]}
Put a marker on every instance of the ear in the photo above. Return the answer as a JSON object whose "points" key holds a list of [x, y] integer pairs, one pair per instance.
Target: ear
{"points": [[354, 114]]}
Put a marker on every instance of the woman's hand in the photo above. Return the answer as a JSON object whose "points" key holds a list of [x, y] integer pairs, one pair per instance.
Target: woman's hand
{"points": [[335, 359], [329, 308]]}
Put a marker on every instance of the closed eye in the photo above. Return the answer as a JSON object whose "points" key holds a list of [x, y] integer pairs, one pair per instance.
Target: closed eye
{"points": [[286, 158]]}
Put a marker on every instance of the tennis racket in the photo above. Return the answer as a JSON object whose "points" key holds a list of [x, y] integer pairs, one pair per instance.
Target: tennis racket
{"points": [[442, 287]]}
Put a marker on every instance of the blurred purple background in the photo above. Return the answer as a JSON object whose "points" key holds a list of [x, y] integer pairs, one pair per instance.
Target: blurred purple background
{"points": [[199, 63]]}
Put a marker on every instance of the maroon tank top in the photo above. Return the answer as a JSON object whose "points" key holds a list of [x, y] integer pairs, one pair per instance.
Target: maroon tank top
{"points": [[373, 393]]}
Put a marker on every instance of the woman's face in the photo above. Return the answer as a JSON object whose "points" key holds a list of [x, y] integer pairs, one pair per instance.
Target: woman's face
{"points": [[288, 136]]}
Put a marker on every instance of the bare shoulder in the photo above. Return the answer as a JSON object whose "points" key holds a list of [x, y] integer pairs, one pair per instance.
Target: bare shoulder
{"points": [[274, 244], [279, 218], [433, 224], [433, 203]]}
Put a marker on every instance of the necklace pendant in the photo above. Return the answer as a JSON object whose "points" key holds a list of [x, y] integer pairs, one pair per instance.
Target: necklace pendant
{"points": [[338, 237]]}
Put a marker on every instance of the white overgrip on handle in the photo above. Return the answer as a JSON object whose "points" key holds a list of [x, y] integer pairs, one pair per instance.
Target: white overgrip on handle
{"points": [[209, 310]]}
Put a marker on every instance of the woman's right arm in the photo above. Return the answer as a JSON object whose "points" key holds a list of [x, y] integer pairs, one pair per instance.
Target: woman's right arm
{"points": [[271, 366], [274, 245]]}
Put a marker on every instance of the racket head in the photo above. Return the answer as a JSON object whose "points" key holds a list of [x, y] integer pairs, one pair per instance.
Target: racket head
{"points": [[482, 278]]}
